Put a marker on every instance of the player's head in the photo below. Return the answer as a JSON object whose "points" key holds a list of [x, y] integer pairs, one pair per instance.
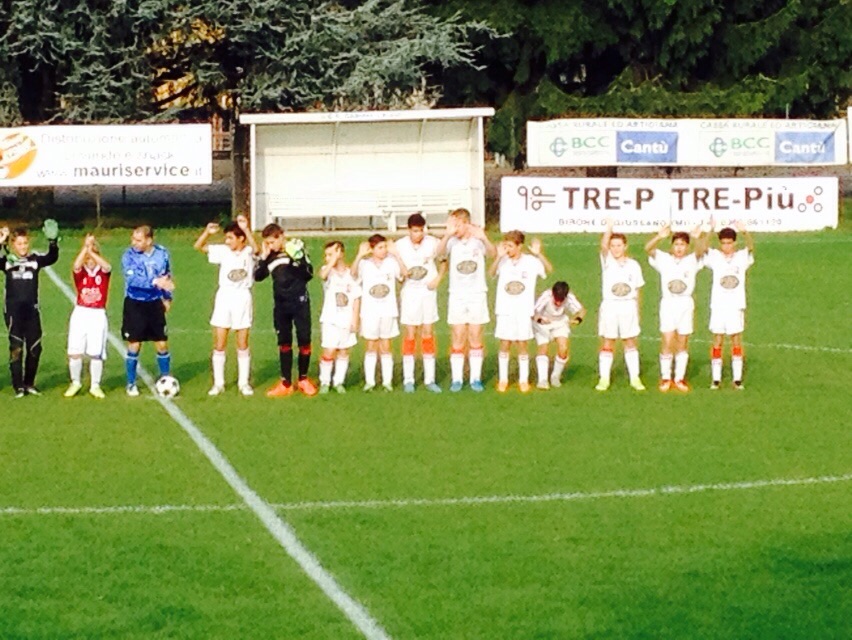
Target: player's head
{"points": [[560, 292], [416, 227], [513, 241], [728, 240], [20, 241], [680, 243], [462, 220], [618, 245], [334, 249], [273, 236], [142, 238], [235, 237], [379, 245]]}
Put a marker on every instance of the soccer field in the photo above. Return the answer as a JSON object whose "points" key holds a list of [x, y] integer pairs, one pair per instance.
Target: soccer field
{"points": [[566, 513]]}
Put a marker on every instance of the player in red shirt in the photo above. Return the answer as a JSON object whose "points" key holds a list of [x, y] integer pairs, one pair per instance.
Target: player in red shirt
{"points": [[87, 330]]}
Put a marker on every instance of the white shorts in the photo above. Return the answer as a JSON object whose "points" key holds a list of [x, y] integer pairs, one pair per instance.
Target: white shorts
{"points": [[511, 327], [676, 315], [233, 309], [379, 328], [334, 337], [618, 319], [727, 321], [87, 332], [418, 307], [547, 333], [469, 308]]}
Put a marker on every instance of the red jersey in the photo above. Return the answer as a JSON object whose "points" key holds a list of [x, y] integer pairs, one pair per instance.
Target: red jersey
{"points": [[92, 287]]}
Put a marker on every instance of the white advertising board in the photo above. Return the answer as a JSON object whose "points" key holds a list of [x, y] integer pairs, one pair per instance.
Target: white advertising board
{"points": [[68, 155], [699, 143], [567, 205]]}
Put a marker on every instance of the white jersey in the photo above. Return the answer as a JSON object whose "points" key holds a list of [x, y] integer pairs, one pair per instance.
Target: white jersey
{"points": [[467, 265], [236, 268], [340, 290], [621, 279], [545, 308], [419, 259], [729, 278], [378, 287], [677, 276], [516, 285]]}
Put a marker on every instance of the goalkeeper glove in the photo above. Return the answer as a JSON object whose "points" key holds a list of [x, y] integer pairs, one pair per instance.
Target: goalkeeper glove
{"points": [[295, 248], [51, 229]]}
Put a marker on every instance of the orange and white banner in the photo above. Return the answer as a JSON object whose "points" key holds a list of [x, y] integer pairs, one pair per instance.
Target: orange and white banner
{"points": [[566, 205], [145, 154]]}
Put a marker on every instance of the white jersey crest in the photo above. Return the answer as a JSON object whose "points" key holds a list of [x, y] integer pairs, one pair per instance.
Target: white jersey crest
{"points": [[236, 268]]}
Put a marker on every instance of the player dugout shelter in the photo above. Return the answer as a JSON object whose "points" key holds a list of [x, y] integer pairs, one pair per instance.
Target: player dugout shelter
{"points": [[365, 169]]}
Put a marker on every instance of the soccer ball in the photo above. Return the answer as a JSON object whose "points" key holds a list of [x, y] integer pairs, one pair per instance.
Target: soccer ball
{"points": [[167, 387]]}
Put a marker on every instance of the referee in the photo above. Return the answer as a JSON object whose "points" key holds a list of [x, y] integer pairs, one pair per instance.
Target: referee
{"points": [[147, 298]]}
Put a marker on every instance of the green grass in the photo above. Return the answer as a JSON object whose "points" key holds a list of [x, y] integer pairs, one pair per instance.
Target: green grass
{"points": [[771, 561]]}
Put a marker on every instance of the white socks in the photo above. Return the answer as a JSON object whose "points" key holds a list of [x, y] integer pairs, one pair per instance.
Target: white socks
{"points": [[541, 365], [370, 359], [605, 364], [75, 368], [341, 366], [218, 359], [457, 366], [681, 359], [476, 356], [387, 369], [631, 359], [408, 368], [666, 366]]}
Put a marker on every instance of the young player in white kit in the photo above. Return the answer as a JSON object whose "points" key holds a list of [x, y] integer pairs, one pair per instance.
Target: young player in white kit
{"points": [[419, 301], [677, 306], [516, 273], [378, 267], [728, 300], [467, 310], [339, 318], [87, 329], [233, 307], [556, 311], [618, 317]]}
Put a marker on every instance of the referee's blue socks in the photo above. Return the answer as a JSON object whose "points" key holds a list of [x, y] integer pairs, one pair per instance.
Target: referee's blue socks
{"points": [[131, 362], [164, 363]]}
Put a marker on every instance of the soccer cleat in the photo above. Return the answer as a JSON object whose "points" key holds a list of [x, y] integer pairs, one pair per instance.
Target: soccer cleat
{"points": [[280, 390], [524, 387], [72, 390], [716, 384], [96, 392], [132, 390], [555, 382], [664, 385], [33, 391], [324, 389], [387, 387], [408, 387], [20, 393], [307, 387], [602, 385], [456, 386], [246, 390], [502, 386], [681, 385], [543, 385], [476, 385], [369, 387], [434, 388], [340, 388], [636, 383], [216, 390], [738, 385]]}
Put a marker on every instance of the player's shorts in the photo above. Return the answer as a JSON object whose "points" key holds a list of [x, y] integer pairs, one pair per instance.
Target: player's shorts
{"points": [[233, 309], [87, 332], [334, 337], [379, 328], [547, 333], [469, 308], [418, 307], [511, 327], [676, 315], [727, 321], [144, 321], [618, 319]]}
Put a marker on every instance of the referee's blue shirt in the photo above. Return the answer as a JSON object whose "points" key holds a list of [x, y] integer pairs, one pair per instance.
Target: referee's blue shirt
{"points": [[140, 269]]}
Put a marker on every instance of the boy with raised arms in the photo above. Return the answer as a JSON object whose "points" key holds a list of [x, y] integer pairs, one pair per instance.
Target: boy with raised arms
{"points": [[339, 318]]}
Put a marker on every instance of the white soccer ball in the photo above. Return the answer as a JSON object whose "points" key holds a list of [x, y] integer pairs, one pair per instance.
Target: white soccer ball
{"points": [[167, 387]]}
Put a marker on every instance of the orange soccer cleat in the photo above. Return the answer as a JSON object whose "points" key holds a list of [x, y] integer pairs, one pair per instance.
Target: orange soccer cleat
{"points": [[307, 387], [524, 387], [280, 390], [502, 386], [681, 385], [665, 385]]}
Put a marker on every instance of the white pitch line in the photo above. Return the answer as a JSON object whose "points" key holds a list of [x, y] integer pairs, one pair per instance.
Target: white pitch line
{"points": [[575, 496], [280, 530]]}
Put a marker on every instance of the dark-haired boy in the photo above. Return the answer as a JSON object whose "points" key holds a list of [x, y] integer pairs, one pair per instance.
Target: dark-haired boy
{"points": [[556, 311]]}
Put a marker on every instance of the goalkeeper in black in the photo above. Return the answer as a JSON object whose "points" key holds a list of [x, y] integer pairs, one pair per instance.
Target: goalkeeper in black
{"points": [[23, 320]]}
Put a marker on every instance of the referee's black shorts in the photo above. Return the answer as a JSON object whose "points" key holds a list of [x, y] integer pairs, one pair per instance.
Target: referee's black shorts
{"points": [[144, 321]]}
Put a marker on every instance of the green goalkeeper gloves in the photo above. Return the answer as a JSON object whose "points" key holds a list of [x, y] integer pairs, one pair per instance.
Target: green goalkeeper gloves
{"points": [[51, 229]]}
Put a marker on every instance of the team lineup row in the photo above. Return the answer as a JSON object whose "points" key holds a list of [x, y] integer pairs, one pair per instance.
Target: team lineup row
{"points": [[361, 298]]}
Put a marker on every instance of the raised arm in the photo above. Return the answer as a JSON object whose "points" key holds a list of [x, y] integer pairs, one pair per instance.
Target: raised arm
{"points": [[201, 243], [702, 240], [651, 246], [605, 238], [749, 240], [243, 223], [536, 250], [479, 232], [363, 251], [80, 259], [495, 265], [449, 232], [394, 253]]}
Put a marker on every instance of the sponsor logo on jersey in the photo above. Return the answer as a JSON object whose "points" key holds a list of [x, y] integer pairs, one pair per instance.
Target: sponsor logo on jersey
{"points": [[515, 288], [729, 282], [677, 286], [621, 289], [417, 273], [237, 275], [379, 290], [467, 267], [341, 299]]}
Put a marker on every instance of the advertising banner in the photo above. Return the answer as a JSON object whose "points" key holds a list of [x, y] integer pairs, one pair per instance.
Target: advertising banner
{"points": [[59, 155], [567, 205], [700, 143]]}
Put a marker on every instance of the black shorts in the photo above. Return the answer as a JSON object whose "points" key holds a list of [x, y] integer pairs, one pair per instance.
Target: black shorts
{"points": [[144, 321], [24, 324], [285, 315]]}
